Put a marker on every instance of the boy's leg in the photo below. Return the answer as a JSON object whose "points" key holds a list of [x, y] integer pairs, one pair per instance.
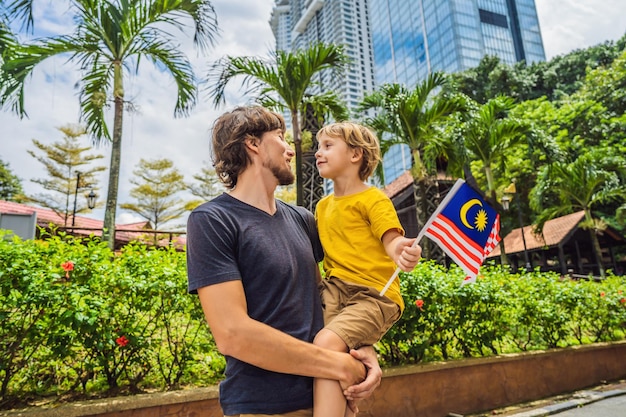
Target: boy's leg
{"points": [[328, 398]]}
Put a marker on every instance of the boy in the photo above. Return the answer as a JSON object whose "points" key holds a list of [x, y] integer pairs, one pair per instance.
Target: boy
{"points": [[363, 241]]}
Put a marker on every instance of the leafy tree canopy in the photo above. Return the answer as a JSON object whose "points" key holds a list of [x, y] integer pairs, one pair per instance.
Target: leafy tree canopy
{"points": [[70, 172], [10, 184], [157, 183]]}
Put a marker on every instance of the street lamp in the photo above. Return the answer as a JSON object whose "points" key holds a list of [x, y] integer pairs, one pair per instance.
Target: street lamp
{"points": [[91, 199], [506, 200]]}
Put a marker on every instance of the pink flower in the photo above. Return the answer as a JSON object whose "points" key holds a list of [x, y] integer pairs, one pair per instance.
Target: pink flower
{"points": [[121, 341]]}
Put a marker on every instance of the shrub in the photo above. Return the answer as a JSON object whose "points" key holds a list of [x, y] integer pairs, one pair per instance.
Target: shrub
{"points": [[78, 321]]}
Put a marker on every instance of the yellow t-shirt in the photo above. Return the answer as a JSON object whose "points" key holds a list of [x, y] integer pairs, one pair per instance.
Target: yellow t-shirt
{"points": [[350, 229]]}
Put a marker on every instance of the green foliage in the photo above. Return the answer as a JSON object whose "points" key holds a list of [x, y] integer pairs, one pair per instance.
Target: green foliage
{"points": [[109, 38], [411, 116], [157, 183], [286, 82], [208, 185], [500, 313], [69, 172], [10, 184], [79, 320]]}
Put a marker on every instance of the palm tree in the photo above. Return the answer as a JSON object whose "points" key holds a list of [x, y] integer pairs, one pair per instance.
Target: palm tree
{"points": [[490, 135], [110, 38], [288, 82], [411, 117], [591, 180]]}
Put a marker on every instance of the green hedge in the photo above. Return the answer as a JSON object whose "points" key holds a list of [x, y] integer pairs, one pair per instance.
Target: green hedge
{"points": [[78, 321], [500, 313], [111, 323]]}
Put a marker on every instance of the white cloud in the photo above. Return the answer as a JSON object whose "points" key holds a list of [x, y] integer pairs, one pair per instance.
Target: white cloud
{"points": [[153, 132], [567, 25]]}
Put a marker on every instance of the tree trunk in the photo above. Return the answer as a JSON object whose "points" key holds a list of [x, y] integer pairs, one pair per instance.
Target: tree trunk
{"points": [[597, 251], [297, 142], [108, 232], [494, 202]]}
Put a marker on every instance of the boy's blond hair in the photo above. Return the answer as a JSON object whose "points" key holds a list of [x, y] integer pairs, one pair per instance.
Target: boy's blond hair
{"points": [[358, 137]]}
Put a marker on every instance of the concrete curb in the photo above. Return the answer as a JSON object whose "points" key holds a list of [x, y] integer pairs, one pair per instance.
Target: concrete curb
{"points": [[581, 398]]}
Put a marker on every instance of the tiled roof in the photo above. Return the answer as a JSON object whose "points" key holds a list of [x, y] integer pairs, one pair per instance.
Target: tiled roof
{"points": [[398, 185], [406, 179], [554, 232], [83, 226]]}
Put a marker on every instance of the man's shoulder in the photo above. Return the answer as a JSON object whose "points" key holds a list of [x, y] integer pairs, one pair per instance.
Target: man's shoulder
{"points": [[218, 203], [221, 207], [294, 209]]}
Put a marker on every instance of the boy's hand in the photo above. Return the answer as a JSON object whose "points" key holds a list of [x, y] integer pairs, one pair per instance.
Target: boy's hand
{"points": [[408, 255]]}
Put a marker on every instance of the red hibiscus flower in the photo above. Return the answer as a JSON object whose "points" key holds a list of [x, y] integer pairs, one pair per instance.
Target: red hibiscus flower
{"points": [[121, 341], [67, 267]]}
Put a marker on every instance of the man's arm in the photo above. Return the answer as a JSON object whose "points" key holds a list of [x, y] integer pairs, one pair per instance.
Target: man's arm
{"points": [[239, 336]]}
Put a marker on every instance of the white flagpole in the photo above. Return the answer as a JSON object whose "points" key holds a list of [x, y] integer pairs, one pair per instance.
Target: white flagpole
{"points": [[420, 235]]}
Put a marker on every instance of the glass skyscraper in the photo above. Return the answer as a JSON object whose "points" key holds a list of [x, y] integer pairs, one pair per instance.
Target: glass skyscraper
{"points": [[402, 41], [411, 39], [343, 22]]}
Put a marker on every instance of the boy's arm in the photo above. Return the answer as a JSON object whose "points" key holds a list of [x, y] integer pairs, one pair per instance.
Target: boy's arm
{"points": [[238, 335], [401, 250]]}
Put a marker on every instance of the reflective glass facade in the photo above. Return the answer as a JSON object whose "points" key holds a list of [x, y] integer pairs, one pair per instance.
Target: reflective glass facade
{"points": [[411, 39]]}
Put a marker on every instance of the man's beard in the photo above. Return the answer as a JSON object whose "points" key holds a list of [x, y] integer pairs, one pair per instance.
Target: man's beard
{"points": [[282, 174]]}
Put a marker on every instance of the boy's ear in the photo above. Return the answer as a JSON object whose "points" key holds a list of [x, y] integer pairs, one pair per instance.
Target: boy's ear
{"points": [[357, 154]]}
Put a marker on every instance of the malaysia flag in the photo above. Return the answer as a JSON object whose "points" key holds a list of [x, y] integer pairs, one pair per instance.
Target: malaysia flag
{"points": [[465, 227]]}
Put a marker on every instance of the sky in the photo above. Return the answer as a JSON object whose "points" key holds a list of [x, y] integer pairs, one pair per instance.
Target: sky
{"points": [[153, 132]]}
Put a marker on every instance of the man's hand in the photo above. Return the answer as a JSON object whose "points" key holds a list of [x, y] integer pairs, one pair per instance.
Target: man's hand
{"points": [[367, 355]]}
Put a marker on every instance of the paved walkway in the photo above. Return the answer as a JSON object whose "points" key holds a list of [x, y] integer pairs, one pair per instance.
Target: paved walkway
{"points": [[586, 404], [608, 400]]}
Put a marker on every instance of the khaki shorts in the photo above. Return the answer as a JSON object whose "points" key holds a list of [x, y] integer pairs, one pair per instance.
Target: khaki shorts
{"points": [[299, 413], [359, 315]]}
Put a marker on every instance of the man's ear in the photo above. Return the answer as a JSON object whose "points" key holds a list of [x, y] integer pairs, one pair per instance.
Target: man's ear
{"points": [[252, 143]]}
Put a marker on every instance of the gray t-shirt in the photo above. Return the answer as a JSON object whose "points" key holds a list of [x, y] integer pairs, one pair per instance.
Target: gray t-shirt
{"points": [[275, 257]]}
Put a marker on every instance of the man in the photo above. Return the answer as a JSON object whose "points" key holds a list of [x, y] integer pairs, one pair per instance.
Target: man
{"points": [[252, 260]]}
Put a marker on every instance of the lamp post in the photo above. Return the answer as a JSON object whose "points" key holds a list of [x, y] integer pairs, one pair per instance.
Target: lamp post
{"points": [[75, 196], [91, 198], [506, 199]]}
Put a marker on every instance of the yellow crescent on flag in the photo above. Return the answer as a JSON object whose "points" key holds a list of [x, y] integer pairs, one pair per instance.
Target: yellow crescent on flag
{"points": [[465, 208]]}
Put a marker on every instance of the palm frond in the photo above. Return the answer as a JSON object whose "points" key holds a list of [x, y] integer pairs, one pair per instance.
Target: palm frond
{"points": [[93, 100]]}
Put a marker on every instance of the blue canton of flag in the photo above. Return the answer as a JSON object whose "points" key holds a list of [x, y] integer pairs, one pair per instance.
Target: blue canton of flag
{"points": [[465, 227]]}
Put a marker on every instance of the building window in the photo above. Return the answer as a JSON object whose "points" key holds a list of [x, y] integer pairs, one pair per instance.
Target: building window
{"points": [[493, 18]]}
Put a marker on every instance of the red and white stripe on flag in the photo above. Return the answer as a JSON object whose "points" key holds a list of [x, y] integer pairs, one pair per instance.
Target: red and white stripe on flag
{"points": [[463, 250]]}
